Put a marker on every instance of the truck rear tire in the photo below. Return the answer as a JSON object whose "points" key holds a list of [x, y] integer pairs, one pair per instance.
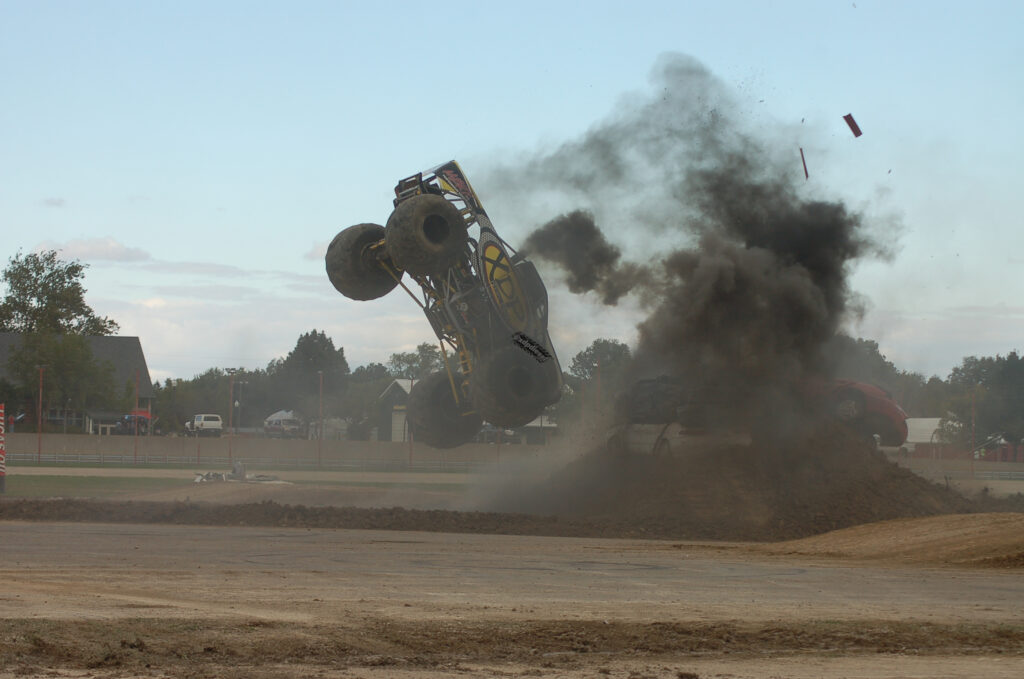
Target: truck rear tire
{"points": [[353, 269], [435, 418], [424, 234], [511, 388]]}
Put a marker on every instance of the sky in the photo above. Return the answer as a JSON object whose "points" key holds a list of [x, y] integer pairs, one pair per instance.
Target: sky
{"points": [[200, 156]]}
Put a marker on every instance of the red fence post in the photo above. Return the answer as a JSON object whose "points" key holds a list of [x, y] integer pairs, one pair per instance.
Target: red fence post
{"points": [[3, 451]]}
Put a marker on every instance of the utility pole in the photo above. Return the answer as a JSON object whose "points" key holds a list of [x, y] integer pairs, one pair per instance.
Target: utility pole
{"points": [[231, 410], [320, 435], [39, 417], [135, 421]]}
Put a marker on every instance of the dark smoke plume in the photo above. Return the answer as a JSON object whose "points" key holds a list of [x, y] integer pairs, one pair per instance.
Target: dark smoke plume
{"points": [[590, 262], [759, 283]]}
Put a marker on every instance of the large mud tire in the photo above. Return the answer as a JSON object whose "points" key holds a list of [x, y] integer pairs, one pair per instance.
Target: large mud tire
{"points": [[848, 406], [425, 234], [510, 388], [435, 418], [353, 269]]}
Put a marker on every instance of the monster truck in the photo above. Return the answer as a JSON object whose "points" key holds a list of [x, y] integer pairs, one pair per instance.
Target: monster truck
{"points": [[485, 302], [659, 416]]}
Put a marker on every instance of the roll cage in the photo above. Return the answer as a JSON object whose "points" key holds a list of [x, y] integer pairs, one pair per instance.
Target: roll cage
{"points": [[488, 295]]}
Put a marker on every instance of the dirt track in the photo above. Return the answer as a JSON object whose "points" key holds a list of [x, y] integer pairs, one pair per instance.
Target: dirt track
{"points": [[158, 600], [234, 582]]}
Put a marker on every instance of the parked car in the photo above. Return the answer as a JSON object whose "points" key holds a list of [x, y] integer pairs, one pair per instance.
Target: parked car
{"points": [[132, 424], [283, 425], [204, 425]]}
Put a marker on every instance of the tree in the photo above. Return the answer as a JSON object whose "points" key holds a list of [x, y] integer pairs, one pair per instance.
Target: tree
{"points": [[45, 294], [314, 353], [366, 384], [297, 378], [370, 373], [596, 375], [605, 357], [415, 365], [986, 399]]}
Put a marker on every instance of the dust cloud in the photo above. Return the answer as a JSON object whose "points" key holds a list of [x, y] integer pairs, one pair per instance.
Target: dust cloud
{"points": [[745, 282], [753, 278]]}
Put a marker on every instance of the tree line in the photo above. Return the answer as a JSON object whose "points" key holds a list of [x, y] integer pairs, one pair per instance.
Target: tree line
{"points": [[44, 302]]}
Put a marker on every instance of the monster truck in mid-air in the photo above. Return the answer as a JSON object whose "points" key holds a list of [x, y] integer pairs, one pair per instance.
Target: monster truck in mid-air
{"points": [[485, 302]]}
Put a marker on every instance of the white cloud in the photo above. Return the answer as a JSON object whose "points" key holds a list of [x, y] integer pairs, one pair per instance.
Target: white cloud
{"points": [[933, 343], [317, 252], [96, 250]]}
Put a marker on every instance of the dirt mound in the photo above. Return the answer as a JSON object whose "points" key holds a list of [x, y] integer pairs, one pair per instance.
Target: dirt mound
{"points": [[993, 540], [270, 513], [833, 480], [731, 492]]}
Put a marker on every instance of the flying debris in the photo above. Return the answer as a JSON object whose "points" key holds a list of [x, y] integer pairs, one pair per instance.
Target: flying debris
{"points": [[804, 161], [854, 127]]}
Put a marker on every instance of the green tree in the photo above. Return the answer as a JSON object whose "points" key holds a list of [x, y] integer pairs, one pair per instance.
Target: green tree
{"points": [[45, 303], [370, 372], [604, 358], [596, 375], [45, 294], [986, 399], [415, 365], [366, 384], [297, 378]]}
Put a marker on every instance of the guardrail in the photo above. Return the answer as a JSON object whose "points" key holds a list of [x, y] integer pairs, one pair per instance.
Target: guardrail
{"points": [[999, 476]]}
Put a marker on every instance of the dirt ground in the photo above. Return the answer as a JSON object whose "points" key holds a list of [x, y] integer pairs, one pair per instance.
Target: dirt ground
{"points": [[833, 566]]}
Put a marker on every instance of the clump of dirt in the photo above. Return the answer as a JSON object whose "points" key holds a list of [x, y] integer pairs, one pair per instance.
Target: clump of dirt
{"points": [[831, 480], [227, 648]]}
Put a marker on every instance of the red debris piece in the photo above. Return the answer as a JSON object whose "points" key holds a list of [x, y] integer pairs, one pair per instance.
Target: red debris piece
{"points": [[853, 124], [804, 161]]}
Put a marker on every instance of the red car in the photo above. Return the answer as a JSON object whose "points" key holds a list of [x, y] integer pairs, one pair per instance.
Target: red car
{"points": [[865, 407]]}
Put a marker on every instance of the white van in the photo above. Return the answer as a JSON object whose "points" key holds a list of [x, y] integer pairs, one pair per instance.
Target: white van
{"points": [[204, 425]]}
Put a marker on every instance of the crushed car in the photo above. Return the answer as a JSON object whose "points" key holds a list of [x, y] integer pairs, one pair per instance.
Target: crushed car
{"points": [[866, 408], [485, 302], [661, 416]]}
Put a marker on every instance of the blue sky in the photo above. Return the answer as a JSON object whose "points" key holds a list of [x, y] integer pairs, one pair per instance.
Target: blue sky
{"points": [[199, 156]]}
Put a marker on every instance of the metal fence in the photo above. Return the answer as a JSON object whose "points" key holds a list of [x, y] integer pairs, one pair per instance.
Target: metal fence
{"points": [[258, 453], [217, 461]]}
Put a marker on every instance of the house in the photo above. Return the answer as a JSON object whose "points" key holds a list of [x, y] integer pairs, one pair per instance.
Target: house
{"points": [[124, 354], [922, 431], [389, 415]]}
